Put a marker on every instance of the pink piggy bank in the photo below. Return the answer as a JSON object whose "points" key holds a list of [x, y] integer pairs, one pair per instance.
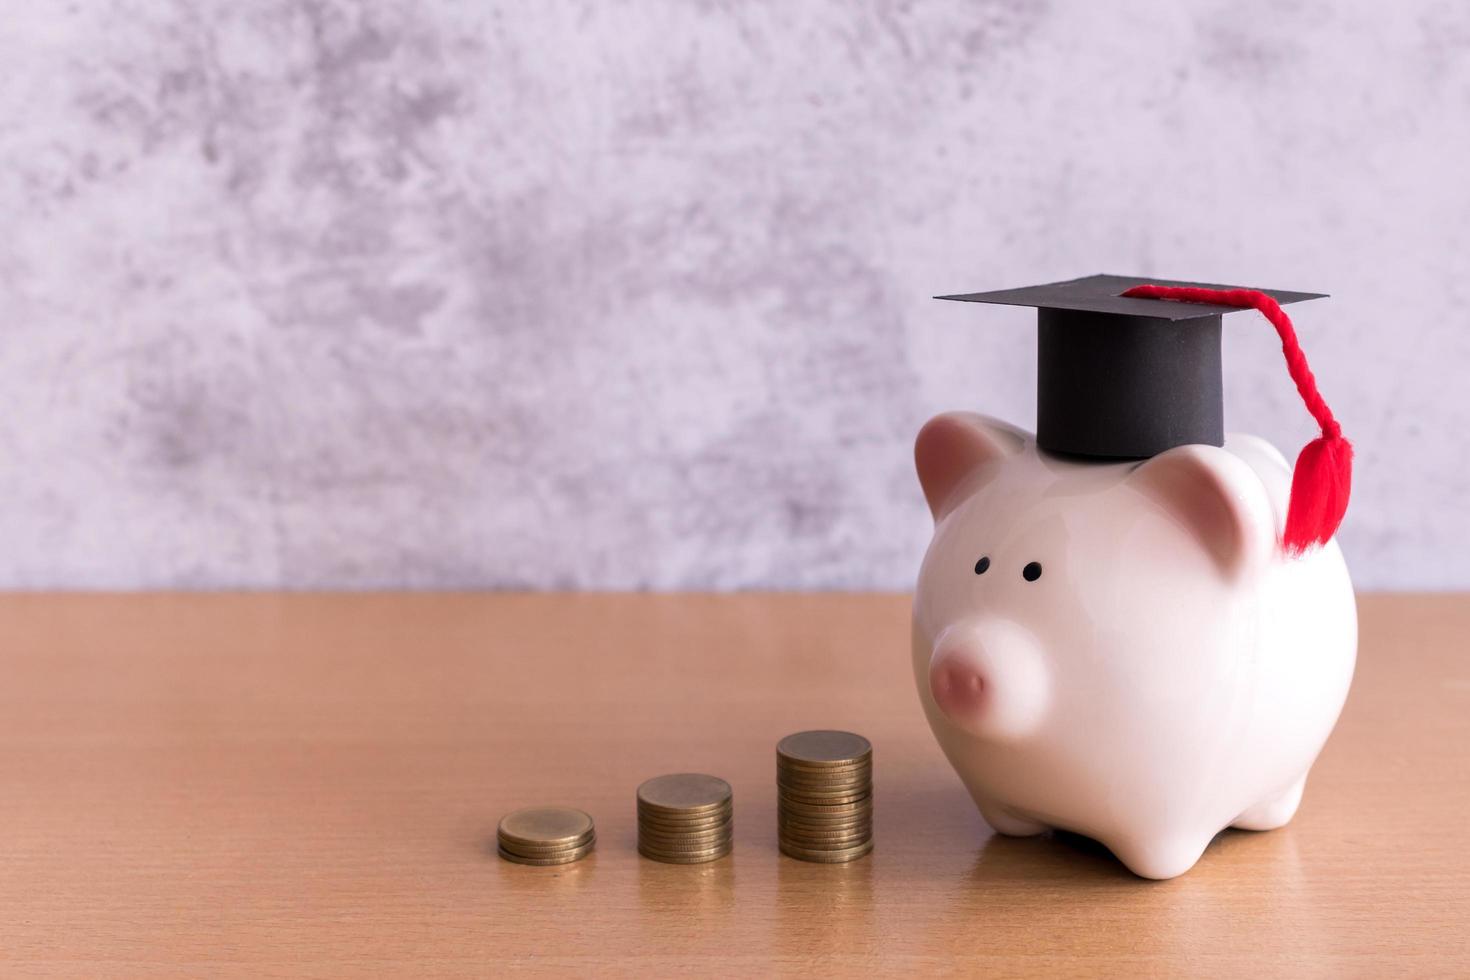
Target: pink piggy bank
{"points": [[1123, 649]]}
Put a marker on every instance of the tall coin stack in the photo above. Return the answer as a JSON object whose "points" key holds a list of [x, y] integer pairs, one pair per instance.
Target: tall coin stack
{"points": [[685, 818], [545, 835], [824, 796]]}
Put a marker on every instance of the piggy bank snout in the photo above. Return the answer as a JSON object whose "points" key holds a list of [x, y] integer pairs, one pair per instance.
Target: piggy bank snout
{"points": [[991, 682]]}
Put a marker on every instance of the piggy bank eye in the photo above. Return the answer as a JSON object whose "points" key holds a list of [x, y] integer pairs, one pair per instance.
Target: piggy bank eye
{"points": [[1032, 571], [982, 565]]}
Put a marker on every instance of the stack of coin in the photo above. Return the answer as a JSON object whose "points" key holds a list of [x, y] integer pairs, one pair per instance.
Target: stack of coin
{"points": [[824, 796], [685, 818], [545, 835]]}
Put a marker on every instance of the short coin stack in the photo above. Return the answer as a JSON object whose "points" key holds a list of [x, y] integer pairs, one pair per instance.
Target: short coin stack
{"points": [[545, 835], [824, 796], [685, 818]]}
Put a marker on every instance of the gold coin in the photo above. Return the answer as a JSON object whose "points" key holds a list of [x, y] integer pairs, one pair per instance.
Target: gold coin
{"points": [[809, 830], [692, 810], [825, 811], [824, 792], [672, 844], [853, 827], [545, 850], [812, 823], [786, 815], [703, 820], [825, 805], [700, 858], [680, 819], [648, 847], [661, 831], [823, 785], [822, 777], [807, 770], [545, 826], [679, 851], [833, 794], [845, 822], [826, 797], [575, 854], [797, 849], [826, 841], [695, 860], [787, 844], [684, 794], [824, 749], [663, 828], [795, 832], [792, 830], [666, 833], [683, 840], [826, 857], [836, 811]]}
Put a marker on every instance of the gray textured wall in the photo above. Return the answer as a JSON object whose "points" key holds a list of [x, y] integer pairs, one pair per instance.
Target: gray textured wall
{"points": [[549, 294]]}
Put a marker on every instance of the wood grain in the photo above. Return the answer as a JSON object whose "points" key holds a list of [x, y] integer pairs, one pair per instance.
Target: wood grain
{"points": [[310, 784]]}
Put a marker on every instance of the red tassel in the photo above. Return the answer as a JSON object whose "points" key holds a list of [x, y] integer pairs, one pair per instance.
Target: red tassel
{"points": [[1323, 477], [1320, 485]]}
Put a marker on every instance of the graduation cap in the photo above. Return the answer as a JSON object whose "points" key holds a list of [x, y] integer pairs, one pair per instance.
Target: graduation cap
{"points": [[1128, 368]]}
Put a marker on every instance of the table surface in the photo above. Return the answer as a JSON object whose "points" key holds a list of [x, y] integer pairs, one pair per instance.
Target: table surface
{"points": [[310, 784]]}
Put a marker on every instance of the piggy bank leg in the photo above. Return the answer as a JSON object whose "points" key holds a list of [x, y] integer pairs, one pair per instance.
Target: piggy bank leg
{"points": [[1275, 812], [1007, 823], [1160, 857]]}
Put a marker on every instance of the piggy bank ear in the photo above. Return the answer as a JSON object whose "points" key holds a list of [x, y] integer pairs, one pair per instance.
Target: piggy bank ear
{"points": [[1219, 498], [951, 446]]}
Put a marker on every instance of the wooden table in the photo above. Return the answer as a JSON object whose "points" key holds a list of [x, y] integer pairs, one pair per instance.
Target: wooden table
{"points": [[310, 784]]}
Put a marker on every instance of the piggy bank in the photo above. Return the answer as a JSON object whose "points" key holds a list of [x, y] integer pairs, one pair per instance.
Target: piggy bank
{"points": [[1123, 649]]}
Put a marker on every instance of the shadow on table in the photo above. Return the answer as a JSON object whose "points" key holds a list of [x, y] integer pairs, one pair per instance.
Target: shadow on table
{"points": [[1061, 854], [924, 814], [1055, 855]]}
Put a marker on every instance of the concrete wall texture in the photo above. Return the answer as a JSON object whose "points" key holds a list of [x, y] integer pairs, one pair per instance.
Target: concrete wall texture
{"points": [[306, 293]]}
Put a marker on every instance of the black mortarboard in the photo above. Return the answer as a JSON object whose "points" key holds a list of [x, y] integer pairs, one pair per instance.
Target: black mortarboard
{"points": [[1120, 376]]}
